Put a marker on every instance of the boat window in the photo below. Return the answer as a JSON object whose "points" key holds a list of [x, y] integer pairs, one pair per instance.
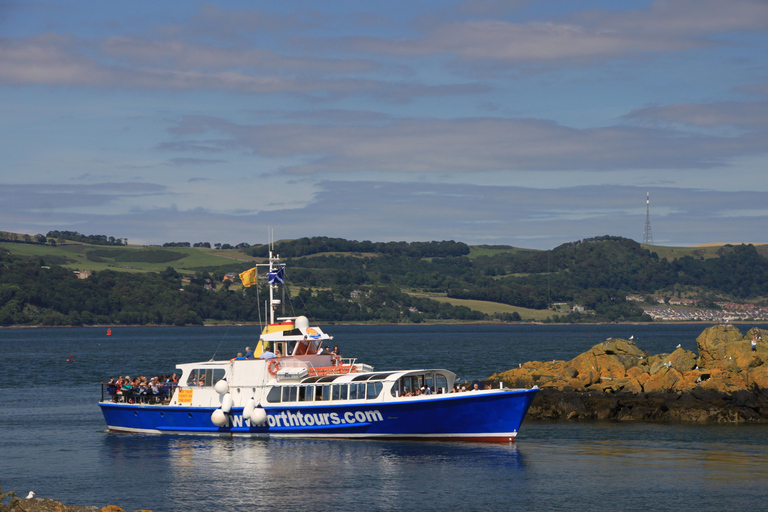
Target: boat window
{"points": [[326, 392], [274, 395], [289, 394], [441, 382], [205, 376], [310, 379], [329, 378], [301, 348], [429, 381], [306, 393], [361, 377], [357, 391], [379, 376], [339, 392], [374, 389]]}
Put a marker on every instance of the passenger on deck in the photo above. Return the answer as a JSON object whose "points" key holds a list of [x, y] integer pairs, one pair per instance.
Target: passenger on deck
{"points": [[268, 354], [278, 353], [112, 388], [320, 350], [336, 351], [248, 353], [126, 389]]}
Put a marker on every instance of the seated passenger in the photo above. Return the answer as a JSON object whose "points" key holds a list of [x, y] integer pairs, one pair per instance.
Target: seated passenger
{"points": [[268, 354]]}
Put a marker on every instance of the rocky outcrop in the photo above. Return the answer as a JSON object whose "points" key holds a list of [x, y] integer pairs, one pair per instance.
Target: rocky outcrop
{"points": [[726, 382], [51, 505]]}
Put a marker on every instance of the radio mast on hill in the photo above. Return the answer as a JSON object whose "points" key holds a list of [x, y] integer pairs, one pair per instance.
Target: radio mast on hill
{"points": [[647, 236]]}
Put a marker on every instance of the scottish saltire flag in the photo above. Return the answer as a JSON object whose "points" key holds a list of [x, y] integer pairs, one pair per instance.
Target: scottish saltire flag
{"points": [[249, 277], [276, 277]]}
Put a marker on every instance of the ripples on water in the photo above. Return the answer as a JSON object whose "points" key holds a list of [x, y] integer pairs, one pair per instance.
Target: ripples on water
{"points": [[53, 439]]}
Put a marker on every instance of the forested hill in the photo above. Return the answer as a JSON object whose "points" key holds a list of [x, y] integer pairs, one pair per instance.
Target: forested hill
{"points": [[338, 280], [321, 244]]}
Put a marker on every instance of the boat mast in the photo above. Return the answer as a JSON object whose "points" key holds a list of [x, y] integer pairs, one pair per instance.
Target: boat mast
{"points": [[273, 303]]}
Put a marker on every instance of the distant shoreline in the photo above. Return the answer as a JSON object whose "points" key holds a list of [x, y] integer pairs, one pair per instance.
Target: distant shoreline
{"points": [[426, 324]]}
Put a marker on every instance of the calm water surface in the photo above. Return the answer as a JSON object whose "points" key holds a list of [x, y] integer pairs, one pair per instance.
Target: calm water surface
{"points": [[53, 438]]}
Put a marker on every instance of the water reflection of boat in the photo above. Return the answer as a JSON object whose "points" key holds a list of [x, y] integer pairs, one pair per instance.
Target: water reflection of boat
{"points": [[308, 393]]}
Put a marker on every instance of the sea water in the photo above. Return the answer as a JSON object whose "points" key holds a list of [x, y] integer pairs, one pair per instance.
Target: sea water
{"points": [[53, 438]]}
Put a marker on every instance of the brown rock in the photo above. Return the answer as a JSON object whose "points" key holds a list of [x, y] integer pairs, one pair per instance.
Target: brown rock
{"points": [[719, 386], [586, 368], [657, 362], [682, 360], [662, 381], [712, 343], [610, 366], [758, 377]]}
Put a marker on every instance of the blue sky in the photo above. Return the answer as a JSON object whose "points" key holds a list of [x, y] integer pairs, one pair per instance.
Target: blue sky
{"points": [[489, 122]]}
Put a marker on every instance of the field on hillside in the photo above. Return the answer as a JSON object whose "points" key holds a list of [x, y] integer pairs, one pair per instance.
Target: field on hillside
{"points": [[129, 258], [670, 253], [490, 308], [492, 250]]}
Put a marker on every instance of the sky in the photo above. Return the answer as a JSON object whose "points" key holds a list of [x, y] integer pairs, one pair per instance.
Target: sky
{"points": [[524, 123]]}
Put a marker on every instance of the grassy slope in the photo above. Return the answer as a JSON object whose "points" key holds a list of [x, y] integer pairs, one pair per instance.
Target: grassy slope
{"points": [[192, 257]]}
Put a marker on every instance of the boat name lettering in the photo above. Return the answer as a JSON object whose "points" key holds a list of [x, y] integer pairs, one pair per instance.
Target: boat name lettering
{"points": [[300, 419]]}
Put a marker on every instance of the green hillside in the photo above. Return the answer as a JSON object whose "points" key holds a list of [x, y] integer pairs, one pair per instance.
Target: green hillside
{"points": [[338, 280], [128, 258]]}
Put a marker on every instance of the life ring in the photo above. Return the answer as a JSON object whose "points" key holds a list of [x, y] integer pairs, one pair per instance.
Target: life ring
{"points": [[273, 366], [336, 360]]}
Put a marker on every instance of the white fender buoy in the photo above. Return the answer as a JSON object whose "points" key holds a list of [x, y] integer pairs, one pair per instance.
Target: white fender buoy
{"points": [[226, 403], [221, 387], [248, 409], [219, 418], [259, 416]]}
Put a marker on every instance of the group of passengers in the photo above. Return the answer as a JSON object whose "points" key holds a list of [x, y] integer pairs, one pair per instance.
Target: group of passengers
{"points": [[268, 354], [461, 388], [142, 389]]}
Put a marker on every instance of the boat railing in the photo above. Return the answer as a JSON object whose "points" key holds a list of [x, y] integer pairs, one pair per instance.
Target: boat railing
{"points": [[340, 367], [111, 393]]}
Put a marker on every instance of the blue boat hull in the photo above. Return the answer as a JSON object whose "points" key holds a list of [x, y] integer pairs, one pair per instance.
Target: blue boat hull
{"points": [[477, 416]]}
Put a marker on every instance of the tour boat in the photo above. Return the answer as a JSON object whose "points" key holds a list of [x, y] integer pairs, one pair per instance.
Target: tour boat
{"points": [[302, 392]]}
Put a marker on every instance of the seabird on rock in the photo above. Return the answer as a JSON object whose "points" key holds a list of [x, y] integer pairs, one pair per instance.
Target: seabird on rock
{"points": [[679, 345], [30, 495], [632, 337]]}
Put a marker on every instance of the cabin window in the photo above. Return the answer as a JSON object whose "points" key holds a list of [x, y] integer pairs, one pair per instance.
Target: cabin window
{"points": [[339, 392], [357, 391], [306, 393], [205, 376], [374, 389], [441, 382], [301, 348], [274, 395], [290, 394]]}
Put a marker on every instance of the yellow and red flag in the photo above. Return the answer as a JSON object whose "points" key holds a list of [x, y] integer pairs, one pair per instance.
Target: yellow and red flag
{"points": [[249, 277]]}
